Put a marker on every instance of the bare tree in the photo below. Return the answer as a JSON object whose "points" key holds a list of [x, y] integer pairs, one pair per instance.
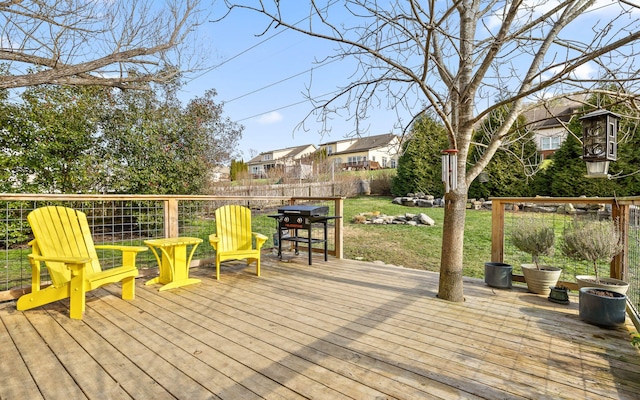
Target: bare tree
{"points": [[462, 59], [116, 43]]}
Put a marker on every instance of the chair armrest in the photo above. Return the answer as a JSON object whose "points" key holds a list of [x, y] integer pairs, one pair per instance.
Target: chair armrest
{"points": [[260, 239], [68, 261], [214, 240]]}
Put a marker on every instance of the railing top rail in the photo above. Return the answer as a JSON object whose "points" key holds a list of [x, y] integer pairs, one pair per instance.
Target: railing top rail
{"points": [[318, 198], [554, 199], [578, 200], [29, 197]]}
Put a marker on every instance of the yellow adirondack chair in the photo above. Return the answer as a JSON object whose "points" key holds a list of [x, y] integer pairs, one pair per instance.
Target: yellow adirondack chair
{"points": [[63, 242], [233, 239]]}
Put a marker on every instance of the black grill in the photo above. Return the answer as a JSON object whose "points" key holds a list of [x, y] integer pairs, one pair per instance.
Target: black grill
{"points": [[300, 217]]}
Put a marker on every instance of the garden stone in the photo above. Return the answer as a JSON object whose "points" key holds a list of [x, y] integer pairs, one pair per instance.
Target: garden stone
{"points": [[424, 203], [426, 220], [567, 208], [408, 202]]}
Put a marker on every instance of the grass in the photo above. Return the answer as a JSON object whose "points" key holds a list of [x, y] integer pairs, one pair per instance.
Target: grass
{"points": [[415, 247], [420, 247]]}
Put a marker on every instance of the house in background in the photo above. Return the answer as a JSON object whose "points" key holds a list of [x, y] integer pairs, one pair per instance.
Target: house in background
{"points": [[549, 124], [371, 152], [220, 173], [292, 161]]}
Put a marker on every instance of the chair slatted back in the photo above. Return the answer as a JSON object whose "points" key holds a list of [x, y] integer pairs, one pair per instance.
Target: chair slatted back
{"points": [[233, 227], [62, 232]]}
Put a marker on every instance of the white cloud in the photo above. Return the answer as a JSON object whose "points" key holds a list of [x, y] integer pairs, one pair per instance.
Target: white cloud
{"points": [[270, 118], [585, 71]]}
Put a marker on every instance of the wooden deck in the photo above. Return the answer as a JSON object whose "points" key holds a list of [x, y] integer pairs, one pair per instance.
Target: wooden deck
{"points": [[340, 329]]}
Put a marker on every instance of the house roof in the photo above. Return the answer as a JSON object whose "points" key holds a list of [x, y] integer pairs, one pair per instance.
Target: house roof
{"points": [[288, 152], [554, 115], [295, 151], [365, 143]]}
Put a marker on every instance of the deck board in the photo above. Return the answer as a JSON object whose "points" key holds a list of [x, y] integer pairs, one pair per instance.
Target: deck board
{"points": [[116, 361], [336, 329], [12, 364]]}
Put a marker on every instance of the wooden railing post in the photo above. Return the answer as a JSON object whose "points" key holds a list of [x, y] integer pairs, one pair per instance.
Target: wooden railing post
{"points": [[339, 235], [619, 265], [497, 230], [171, 218]]}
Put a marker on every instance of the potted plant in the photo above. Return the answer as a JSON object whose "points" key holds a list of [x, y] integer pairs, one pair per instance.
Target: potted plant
{"points": [[597, 241], [559, 294], [532, 235]]}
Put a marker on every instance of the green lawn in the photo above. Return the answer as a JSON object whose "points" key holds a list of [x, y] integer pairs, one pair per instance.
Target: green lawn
{"points": [[413, 246]]}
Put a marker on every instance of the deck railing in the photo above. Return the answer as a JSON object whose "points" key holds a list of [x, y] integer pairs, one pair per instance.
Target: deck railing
{"points": [[625, 211], [131, 219]]}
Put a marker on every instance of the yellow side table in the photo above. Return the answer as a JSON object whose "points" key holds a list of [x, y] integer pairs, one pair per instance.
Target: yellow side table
{"points": [[174, 264]]}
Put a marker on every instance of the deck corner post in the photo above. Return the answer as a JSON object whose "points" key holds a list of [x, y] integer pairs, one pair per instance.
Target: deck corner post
{"points": [[497, 230], [339, 233]]}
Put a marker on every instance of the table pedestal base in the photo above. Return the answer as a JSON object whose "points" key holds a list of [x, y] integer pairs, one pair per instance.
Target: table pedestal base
{"points": [[173, 284], [174, 263]]}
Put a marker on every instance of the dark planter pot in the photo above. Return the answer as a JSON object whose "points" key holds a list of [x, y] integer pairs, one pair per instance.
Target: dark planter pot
{"points": [[559, 295], [602, 307], [498, 275]]}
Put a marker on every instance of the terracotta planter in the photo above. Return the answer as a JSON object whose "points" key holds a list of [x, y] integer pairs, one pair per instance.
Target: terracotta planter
{"points": [[615, 285], [540, 280], [602, 307]]}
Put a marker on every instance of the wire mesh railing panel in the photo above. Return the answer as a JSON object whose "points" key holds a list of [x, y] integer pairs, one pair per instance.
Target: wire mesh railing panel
{"points": [[111, 222], [560, 217], [633, 273], [197, 220], [14, 237]]}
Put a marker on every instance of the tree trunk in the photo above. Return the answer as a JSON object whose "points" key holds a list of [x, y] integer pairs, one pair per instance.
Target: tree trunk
{"points": [[450, 285]]}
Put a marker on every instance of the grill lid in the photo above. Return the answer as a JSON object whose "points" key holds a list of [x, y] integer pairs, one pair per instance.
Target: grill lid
{"points": [[304, 210]]}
